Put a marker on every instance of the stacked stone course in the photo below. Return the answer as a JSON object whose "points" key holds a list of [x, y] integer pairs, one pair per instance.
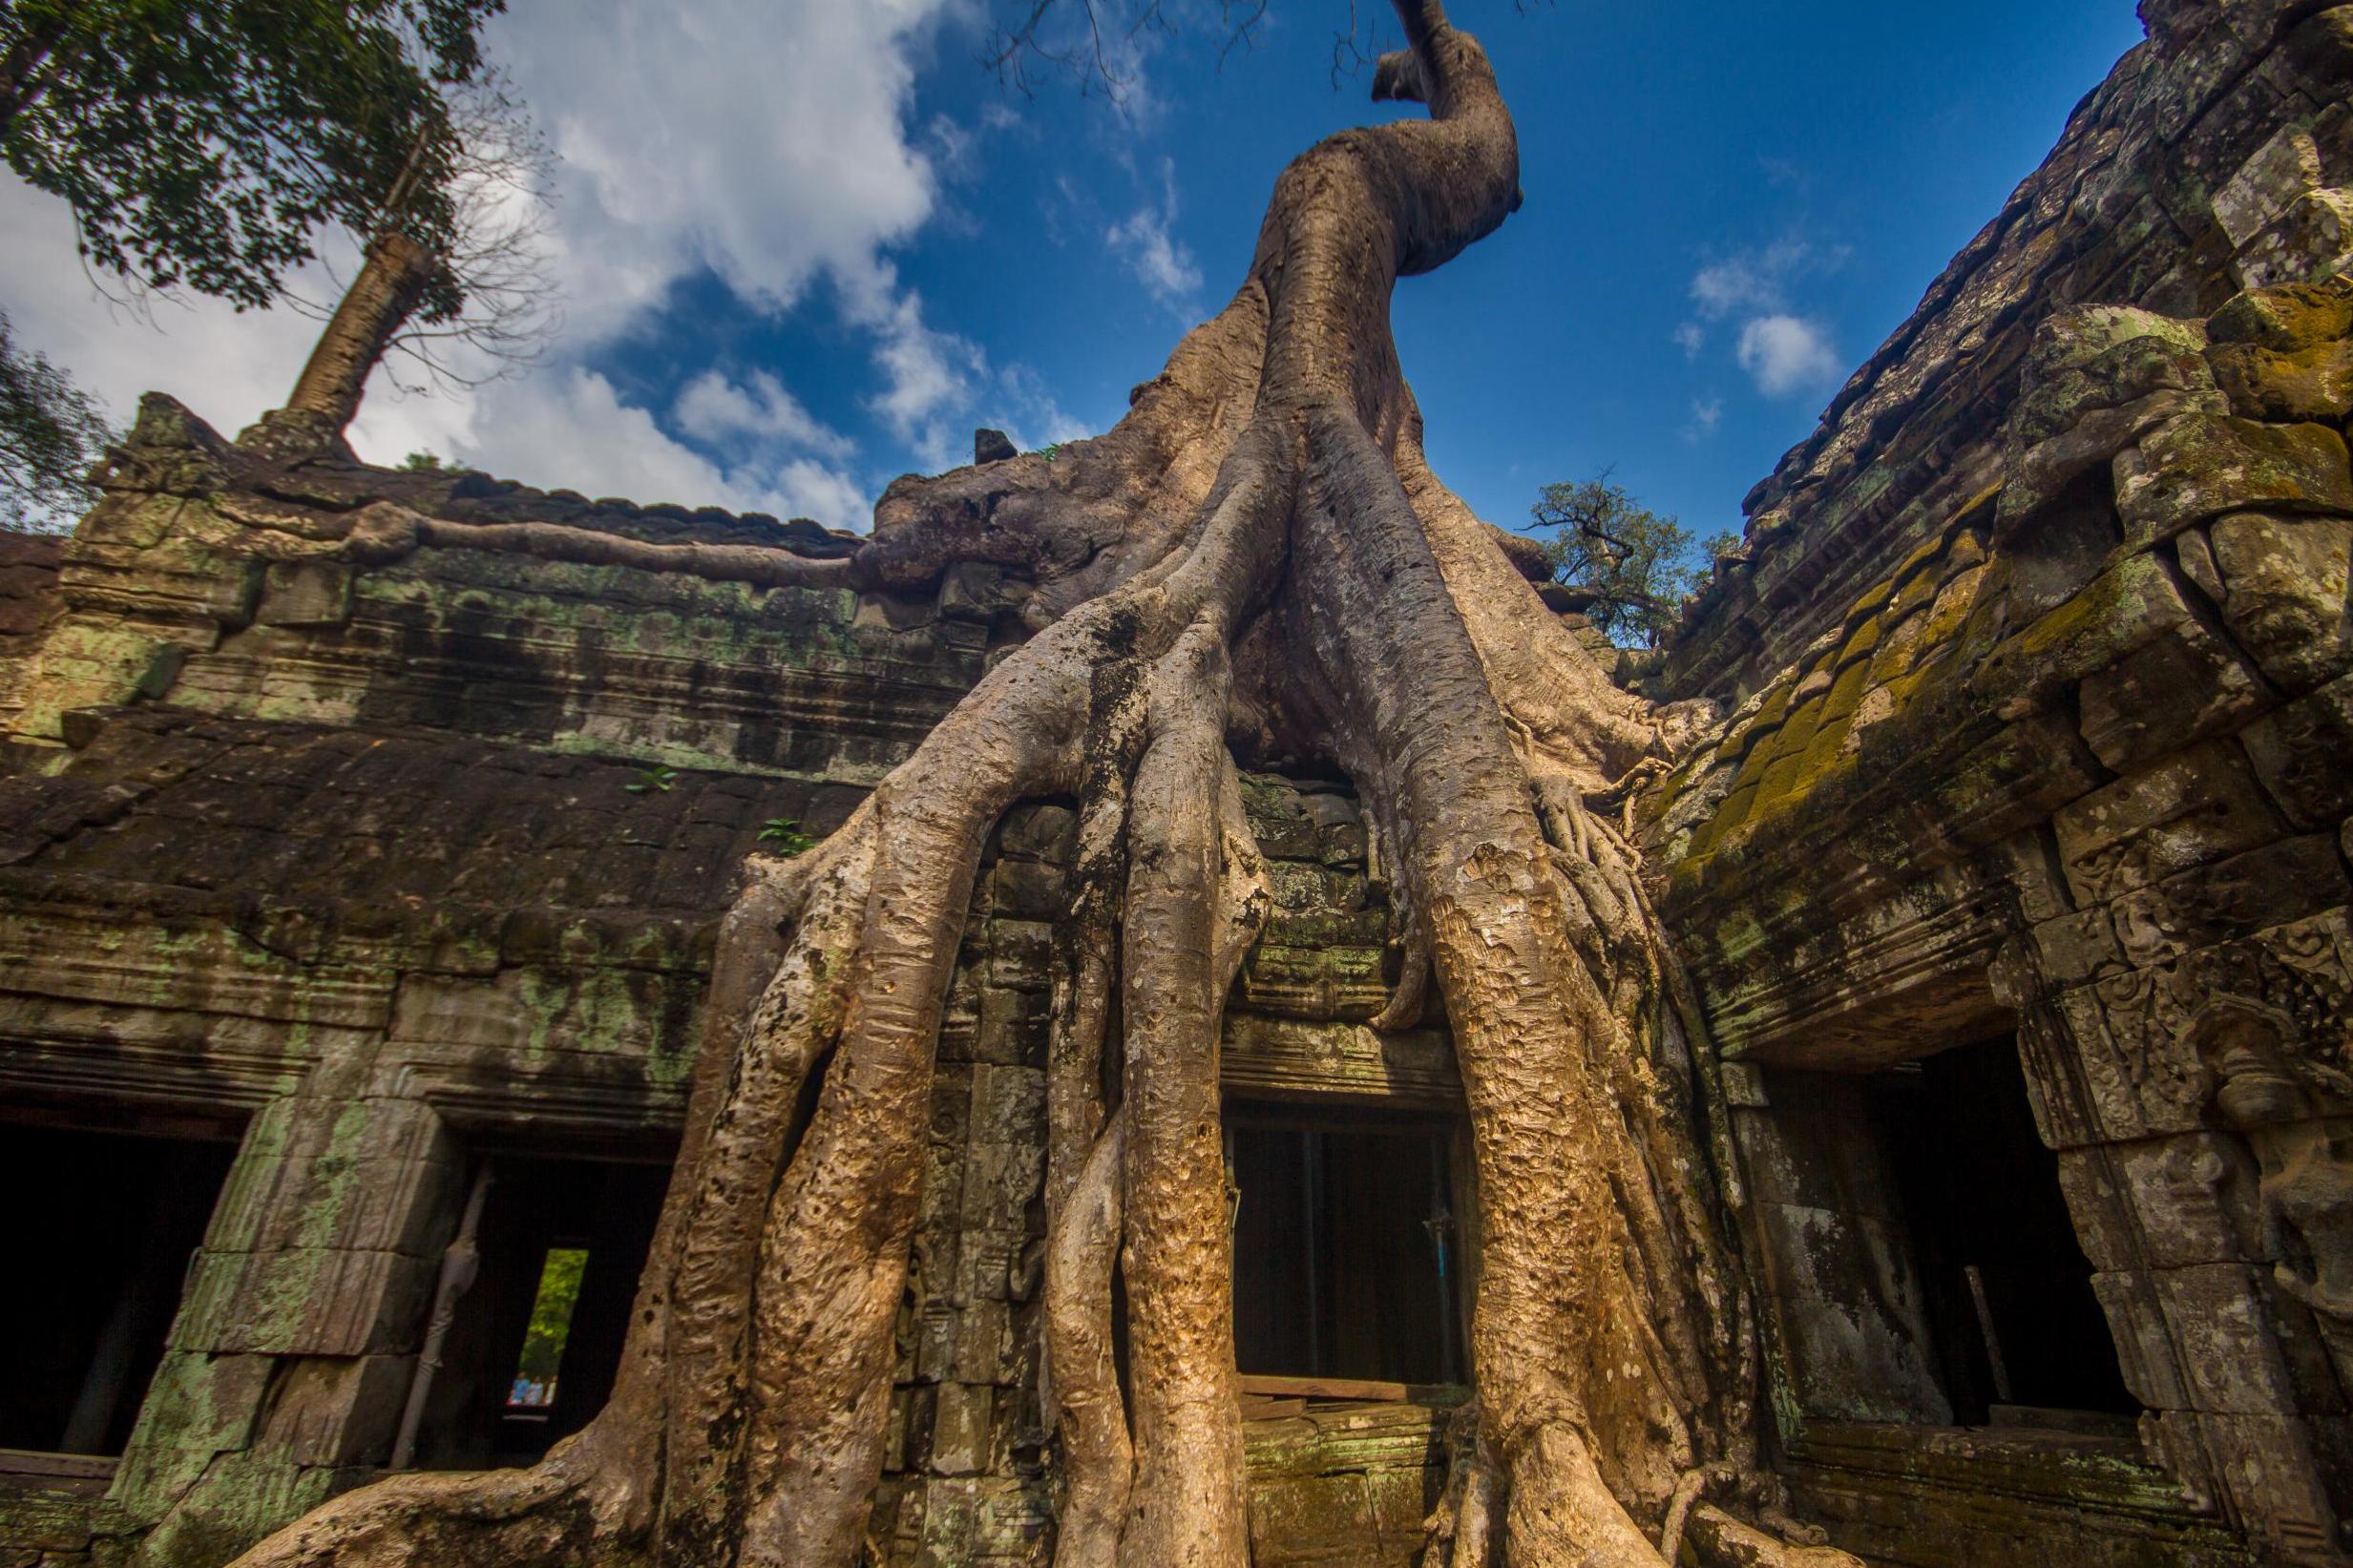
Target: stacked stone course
{"points": [[385, 848]]}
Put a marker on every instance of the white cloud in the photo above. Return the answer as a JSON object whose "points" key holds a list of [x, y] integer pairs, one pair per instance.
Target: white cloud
{"points": [[926, 372], [1784, 351], [714, 409], [1753, 280], [574, 430], [1787, 354], [768, 141], [1706, 413], [1161, 262], [1028, 413], [227, 367]]}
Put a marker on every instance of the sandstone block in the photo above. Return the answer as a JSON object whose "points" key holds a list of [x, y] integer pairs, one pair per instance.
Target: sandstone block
{"points": [[1027, 889], [305, 593], [2197, 805], [2284, 594], [952, 1101], [1012, 1027], [2120, 1041], [943, 1185], [960, 1431], [2193, 1197], [333, 1411], [2200, 466], [1040, 832], [933, 1335], [2267, 1466], [984, 1352], [2176, 689], [2270, 885], [2144, 1354], [2117, 612], [1019, 953], [2098, 1205], [2230, 1359], [1008, 1103], [2075, 948], [2300, 751], [2313, 383], [2286, 318], [933, 1268]]}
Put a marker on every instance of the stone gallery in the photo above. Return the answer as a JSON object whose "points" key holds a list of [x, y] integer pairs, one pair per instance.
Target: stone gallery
{"points": [[1165, 1005]]}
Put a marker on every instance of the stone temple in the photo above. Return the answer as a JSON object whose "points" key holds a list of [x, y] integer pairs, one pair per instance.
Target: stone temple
{"points": [[357, 892]]}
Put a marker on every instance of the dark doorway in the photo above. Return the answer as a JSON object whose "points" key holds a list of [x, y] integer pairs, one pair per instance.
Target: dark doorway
{"points": [[2001, 1270], [101, 1226], [536, 1343], [1346, 1246]]}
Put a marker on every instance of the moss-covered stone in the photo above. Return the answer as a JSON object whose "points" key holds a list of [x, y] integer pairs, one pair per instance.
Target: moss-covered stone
{"points": [[2193, 468]]}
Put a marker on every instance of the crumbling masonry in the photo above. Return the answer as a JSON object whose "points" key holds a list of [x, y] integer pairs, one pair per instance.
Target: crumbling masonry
{"points": [[357, 885]]}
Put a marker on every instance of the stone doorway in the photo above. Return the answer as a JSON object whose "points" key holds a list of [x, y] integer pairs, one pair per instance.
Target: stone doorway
{"points": [[101, 1228], [2016, 1333], [536, 1342], [1347, 1255]]}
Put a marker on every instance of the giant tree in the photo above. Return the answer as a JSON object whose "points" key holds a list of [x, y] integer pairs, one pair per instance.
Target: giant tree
{"points": [[203, 144], [1257, 561]]}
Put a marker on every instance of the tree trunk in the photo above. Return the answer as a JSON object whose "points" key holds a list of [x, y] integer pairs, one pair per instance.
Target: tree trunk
{"points": [[327, 395], [1259, 548]]}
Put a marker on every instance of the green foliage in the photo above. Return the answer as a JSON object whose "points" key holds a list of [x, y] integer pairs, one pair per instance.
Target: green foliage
{"points": [[50, 435], [1048, 450], [550, 1315], [784, 836], [425, 461], [1632, 568], [653, 781], [201, 143]]}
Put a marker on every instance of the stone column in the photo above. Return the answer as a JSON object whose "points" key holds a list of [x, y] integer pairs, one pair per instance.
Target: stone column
{"points": [[286, 1367]]}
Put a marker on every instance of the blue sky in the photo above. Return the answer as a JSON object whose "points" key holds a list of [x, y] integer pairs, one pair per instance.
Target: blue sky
{"points": [[808, 245]]}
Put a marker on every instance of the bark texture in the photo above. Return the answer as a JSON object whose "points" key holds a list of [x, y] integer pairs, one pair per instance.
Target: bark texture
{"points": [[1257, 558], [391, 280]]}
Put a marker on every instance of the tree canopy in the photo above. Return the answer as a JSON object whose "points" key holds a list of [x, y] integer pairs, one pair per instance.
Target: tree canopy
{"points": [[1632, 567], [51, 433], [202, 143]]}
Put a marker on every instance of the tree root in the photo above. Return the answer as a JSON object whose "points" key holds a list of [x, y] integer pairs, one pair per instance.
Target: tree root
{"points": [[1268, 491]]}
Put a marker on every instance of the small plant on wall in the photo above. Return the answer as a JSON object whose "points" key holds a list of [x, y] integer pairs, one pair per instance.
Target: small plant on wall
{"points": [[653, 781], [784, 836]]}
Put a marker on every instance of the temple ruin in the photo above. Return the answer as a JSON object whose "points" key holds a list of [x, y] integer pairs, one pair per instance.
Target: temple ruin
{"points": [[359, 878]]}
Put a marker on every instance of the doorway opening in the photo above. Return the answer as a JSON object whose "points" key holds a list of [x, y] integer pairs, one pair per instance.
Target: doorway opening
{"points": [[536, 1340], [1347, 1245], [2006, 1291], [101, 1236]]}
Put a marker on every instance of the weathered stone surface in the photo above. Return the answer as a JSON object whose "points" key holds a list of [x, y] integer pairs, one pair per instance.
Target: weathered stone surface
{"points": [[2176, 689], [2197, 806], [2197, 467], [2298, 752], [2284, 594], [351, 829], [2096, 381]]}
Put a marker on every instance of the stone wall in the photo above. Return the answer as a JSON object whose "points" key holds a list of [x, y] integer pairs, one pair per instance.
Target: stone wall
{"points": [[386, 858], [2216, 156], [2037, 673], [386, 861], [375, 862]]}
